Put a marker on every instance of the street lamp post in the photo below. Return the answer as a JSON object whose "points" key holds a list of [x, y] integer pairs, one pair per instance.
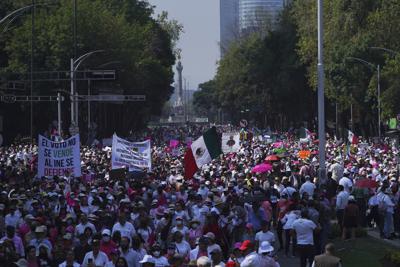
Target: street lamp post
{"points": [[378, 69], [74, 65], [321, 94]]}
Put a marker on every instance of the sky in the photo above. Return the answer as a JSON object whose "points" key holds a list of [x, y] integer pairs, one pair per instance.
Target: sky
{"points": [[199, 42]]}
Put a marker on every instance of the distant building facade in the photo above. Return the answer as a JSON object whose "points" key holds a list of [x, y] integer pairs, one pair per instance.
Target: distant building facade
{"points": [[237, 17], [254, 13], [229, 23]]}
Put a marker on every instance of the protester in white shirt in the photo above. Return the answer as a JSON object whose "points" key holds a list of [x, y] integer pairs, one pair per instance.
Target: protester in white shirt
{"points": [[131, 256], [287, 222], [125, 228], [80, 228], [386, 208], [337, 169], [95, 257], [346, 183], [13, 217], [69, 260], [304, 229], [181, 246], [159, 260], [308, 187], [341, 202], [265, 234]]}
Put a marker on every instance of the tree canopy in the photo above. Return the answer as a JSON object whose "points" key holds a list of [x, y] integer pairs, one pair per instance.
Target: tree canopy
{"points": [[275, 76], [260, 78], [143, 48]]}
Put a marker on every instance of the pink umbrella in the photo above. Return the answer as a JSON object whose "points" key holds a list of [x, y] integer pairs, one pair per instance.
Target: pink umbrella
{"points": [[272, 158], [277, 144], [261, 168]]}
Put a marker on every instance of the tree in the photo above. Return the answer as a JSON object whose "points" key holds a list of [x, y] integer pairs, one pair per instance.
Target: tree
{"points": [[128, 34], [260, 78], [350, 29]]}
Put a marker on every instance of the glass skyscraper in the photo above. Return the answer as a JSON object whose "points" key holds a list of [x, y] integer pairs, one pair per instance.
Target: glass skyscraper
{"points": [[254, 13], [237, 17]]}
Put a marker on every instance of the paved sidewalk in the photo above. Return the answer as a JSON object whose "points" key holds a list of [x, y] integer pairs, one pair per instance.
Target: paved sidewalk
{"points": [[375, 234]]}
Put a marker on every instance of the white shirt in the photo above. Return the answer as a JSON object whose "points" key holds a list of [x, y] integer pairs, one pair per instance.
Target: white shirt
{"points": [[184, 231], [132, 257], [200, 213], [13, 219], [304, 231], [288, 191], [100, 260], [337, 171], [289, 219], [386, 201], [347, 184], [253, 259], [342, 199], [279, 187], [80, 228], [307, 187], [161, 261], [183, 248], [210, 248], [64, 264], [268, 236], [126, 230], [373, 201]]}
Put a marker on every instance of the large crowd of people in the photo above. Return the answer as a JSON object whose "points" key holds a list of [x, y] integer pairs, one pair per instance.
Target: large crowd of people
{"points": [[226, 215]]}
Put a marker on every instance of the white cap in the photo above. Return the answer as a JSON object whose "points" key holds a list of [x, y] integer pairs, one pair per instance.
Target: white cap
{"points": [[203, 261], [148, 259], [265, 247], [210, 235], [106, 232]]}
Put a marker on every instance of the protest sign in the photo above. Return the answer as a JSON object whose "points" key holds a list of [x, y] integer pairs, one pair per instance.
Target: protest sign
{"points": [[135, 156], [230, 142], [59, 158]]}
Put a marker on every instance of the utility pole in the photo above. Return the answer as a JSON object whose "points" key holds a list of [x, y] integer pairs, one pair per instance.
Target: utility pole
{"points": [[72, 93], [379, 101], [351, 113], [59, 113], [89, 107], [321, 94], [75, 25]]}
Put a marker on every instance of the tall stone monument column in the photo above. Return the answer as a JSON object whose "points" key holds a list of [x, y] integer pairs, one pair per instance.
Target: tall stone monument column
{"points": [[179, 68]]}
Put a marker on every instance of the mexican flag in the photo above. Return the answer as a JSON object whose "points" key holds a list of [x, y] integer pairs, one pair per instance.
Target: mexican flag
{"points": [[353, 139], [206, 148]]}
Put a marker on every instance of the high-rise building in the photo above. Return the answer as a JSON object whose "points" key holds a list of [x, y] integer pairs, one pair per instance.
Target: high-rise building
{"points": [[229, 23], [238, 17], [254, 13]]}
